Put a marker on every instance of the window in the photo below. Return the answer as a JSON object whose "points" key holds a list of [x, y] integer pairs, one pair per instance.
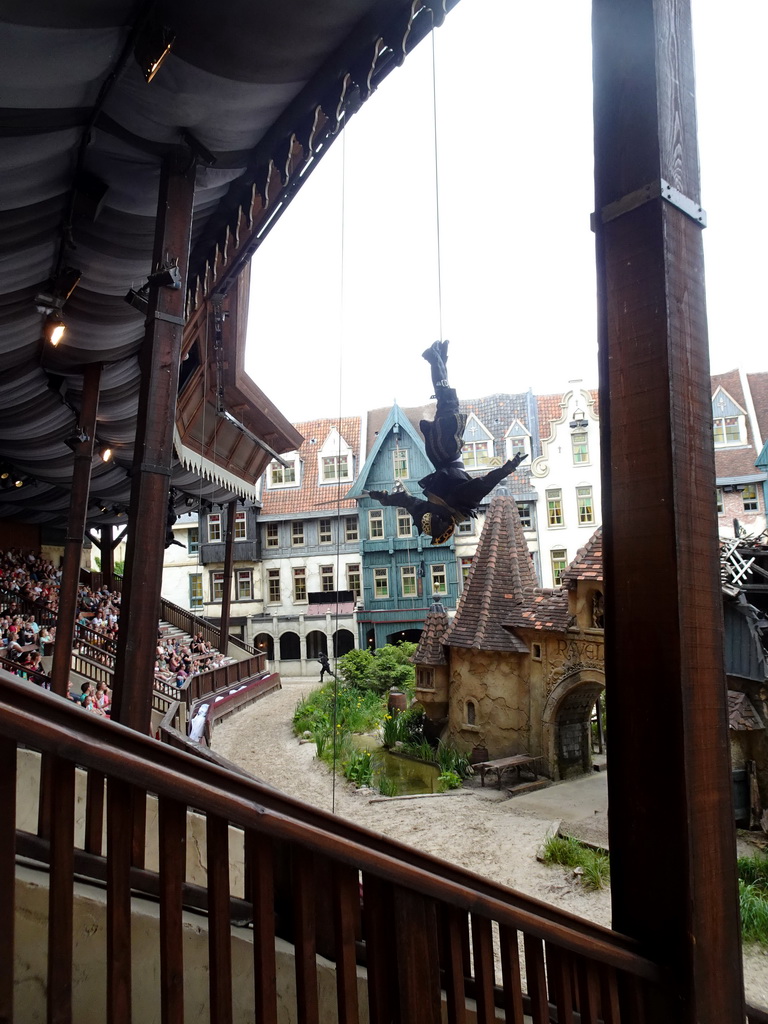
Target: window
{"points": [[297, 534], [353, 580], [471, 710], [351, 530], [585, 506], [517, 446], [381, 583], [327, 581], [273, 535], [579, 447], [214, 527], [468, 526], [244, 581], [526, 514], [475, 454], [408, 584], [193, 540], [465, 564], [196, 590], [400, 464], [555, 507], [324, 531], [279, 475], [241, 526], [217, 586], [439, 579], [727, 430], [404, 523], [536, 652], [335, 467], [375, 523], [273, 584], [719, 500], [749, 497], [559, 564], [300, 584]]}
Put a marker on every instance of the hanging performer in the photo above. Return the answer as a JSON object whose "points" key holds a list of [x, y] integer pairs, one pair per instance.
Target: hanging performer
{"points": [[452, 495]]}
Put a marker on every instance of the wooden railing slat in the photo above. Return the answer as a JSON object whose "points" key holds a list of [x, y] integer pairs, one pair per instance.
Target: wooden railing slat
{"points": [[418, 965], [346, 900], [379, 949], [609, 990], [60, 895], [537, 979], [510, 973], [219, 930], [172, 822], [304, 937], [119, 836], [482, 954], [560, 983], [589, 992], [452, 963], [260, 889], [7, 872]]}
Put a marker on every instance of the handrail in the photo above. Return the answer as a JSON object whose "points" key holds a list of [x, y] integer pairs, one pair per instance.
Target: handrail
{"points": [[45, 722], [42, 613], [17, 669], [190, 623], [95, 639]]}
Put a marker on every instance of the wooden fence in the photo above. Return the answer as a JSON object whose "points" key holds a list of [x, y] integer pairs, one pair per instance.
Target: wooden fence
{"points": [[427, 933]]}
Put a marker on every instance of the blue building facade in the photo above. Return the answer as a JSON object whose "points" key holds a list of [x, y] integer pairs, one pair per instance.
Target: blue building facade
{"points": [[401, 570]]}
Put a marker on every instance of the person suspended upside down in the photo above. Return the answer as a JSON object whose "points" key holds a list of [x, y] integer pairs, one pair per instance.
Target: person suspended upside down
{"points": [[452, 494]]}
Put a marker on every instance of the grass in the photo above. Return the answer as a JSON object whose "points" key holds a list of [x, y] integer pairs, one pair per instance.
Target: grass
{"points": [[353, 709], [753, 898], [594, 864]]}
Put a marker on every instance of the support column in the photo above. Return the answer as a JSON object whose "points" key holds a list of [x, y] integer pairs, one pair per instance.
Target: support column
{"points": [[153, 454], [73, 543], [226, 596], [673, 865], [107, 556]]}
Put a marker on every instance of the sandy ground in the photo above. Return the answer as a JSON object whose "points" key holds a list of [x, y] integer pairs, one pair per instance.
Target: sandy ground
{"points": [[481, 829]]}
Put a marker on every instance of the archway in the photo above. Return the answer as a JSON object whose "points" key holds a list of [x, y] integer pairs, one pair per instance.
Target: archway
{"points": [[567, 740], [317, 644], [290, 647], [343, 642], [403, 635], [264, 642]]}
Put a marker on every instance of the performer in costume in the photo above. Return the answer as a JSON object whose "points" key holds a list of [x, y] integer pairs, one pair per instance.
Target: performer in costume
{"points": [[452, 494]]}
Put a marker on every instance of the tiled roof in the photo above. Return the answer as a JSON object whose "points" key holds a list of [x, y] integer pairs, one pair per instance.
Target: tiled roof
{"points": [[499, 577], [551, 411], [312, 496], [378, 417], [741, 712], [430, 650], [758, 385], [544, 609], [588, 563], [737, 462]]}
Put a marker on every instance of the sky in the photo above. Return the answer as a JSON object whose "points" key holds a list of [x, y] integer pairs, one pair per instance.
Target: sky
{"points": [[366, 268]]}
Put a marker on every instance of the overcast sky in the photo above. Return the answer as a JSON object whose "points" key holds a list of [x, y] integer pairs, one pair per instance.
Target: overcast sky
{"points": [[345, 292]]}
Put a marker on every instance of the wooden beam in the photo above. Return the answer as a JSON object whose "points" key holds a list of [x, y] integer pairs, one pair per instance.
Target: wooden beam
{"points": [[226, 594], [671, 817], [153, 455]]}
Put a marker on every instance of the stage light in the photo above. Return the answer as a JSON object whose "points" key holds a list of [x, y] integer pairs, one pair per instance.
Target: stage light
{"points": [[54, 328], [106, 453], [139, 298], [153, 46], [78, 437]]}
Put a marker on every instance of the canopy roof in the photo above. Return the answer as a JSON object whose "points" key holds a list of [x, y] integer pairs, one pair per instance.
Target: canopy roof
{"points": [[253, 92]]}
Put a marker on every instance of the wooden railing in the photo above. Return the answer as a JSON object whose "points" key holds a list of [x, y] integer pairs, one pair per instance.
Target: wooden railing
{"points": [[34, 676], [429, 934], [43, 615], [190, 623]]}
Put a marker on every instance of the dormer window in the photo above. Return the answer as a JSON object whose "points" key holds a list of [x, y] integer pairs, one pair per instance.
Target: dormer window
{"points": [[729, 421], [334, 460], [477, 449], [283, 476], [400, 464], [517, 440], [335, 467]]}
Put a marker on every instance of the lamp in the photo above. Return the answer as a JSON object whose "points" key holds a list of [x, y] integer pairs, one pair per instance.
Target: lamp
{"points": [[54, 328], [139, 298], [153, 45], [105, 453]]}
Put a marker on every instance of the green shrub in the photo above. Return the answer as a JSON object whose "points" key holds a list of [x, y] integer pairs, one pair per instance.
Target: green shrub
{"points": [[596, 870], [753, 870], [354, 710], [391, 730], [595, 865], [753, 905], [563, 850], [447, 780], [358, 768], [424, 751], [450, 760], [388, 786]]}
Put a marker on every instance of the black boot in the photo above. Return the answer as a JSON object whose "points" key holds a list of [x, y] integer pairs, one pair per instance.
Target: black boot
{"points": [[436, 355]]}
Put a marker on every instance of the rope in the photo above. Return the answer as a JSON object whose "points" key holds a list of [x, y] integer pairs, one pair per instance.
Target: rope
{"points": [[437, 193]]}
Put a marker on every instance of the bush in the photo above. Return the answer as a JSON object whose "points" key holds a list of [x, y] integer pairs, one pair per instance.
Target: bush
{"points": [[388, 786], [450, 760], [354, 710], [358, 768], [594, 864], [391, 730], [447, 780]]}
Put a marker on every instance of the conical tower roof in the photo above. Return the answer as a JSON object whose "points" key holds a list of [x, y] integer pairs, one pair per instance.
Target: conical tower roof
{"points": [[500, 580], [430, 650]]}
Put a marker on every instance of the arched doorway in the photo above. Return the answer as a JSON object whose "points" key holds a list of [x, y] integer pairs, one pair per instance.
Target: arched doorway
{"points": [[566, 722], [290, 647], [403, 635], [317, 644], [264, 642], [343, 642]]}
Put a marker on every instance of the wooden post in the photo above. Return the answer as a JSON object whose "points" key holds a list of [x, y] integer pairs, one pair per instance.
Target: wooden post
{"points": [[226, 594], [107, 556], [153, 454], [73, 542], [673, 864]]}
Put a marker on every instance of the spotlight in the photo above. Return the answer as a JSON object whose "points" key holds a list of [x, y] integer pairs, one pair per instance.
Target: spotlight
{"points": [[78, 437], [106, 453], [18, 483], [139, 299], [54, 328], [153, 46], [168, 276]]}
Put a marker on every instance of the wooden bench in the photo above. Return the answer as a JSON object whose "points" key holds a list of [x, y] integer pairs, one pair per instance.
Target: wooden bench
{"points": [[502, 764]]}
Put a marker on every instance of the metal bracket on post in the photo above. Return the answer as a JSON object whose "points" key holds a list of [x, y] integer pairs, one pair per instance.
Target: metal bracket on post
{"points": [[660, 189], [169, 318]]}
